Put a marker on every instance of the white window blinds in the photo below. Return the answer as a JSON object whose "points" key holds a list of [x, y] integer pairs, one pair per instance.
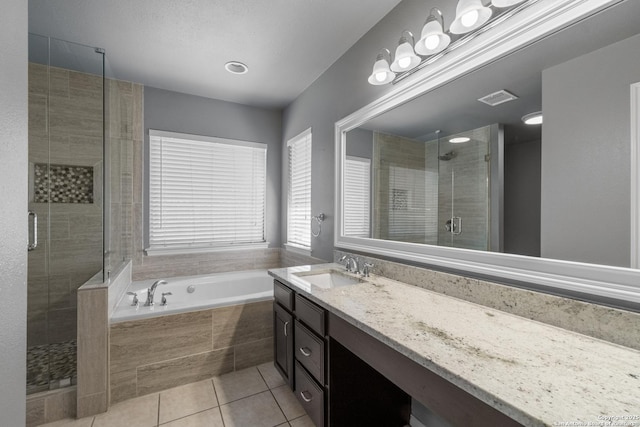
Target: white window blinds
{"points": [[357, 196], [205, 192], [299, 193]]}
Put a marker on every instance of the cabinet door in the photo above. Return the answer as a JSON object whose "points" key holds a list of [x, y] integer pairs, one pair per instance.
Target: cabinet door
{"points": [[283, 342]]}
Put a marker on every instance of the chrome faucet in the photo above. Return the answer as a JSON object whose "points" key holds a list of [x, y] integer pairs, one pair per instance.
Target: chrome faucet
{"points": [[367, 269], [152, 290], [351, 263]]}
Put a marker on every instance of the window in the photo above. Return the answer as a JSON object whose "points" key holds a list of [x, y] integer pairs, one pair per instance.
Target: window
{"points": [[299, 194], [205, 192], [357, 196]]}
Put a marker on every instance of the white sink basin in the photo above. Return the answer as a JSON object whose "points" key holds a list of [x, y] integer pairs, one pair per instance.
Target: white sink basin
{"points": [[328, 279]]}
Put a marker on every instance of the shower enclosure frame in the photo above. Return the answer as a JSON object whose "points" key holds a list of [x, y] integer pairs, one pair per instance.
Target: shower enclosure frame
{"points": [[65, 128]]}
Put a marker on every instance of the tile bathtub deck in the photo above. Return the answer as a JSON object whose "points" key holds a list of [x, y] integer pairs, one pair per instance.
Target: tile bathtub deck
{"points": [[253, 397]]}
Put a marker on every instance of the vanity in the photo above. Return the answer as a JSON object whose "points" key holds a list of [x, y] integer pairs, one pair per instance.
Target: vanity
{"points": [[355, 350]]}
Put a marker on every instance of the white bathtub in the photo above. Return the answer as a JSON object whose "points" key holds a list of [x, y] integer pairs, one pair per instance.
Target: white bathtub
{"points": [[191, 293]]}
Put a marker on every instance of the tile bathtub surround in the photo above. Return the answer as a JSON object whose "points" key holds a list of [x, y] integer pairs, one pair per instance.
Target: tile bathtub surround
{"points": [[248, 397], [609, 324], [151, 355], [158, 266], [118, 284], [290, 259]]}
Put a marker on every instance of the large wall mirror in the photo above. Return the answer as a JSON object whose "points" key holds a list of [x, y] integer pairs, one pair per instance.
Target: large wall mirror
{"points": [[445, 171]]}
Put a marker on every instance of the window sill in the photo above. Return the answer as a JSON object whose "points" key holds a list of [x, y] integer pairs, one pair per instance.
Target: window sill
{"points": [[208, 249], [296, 249]]}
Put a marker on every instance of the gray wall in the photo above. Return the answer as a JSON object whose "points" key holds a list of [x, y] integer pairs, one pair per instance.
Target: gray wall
{"points": [[522, 198], [585, 151], [179, 112], [360, 143], [13, 210], [340, 91]]}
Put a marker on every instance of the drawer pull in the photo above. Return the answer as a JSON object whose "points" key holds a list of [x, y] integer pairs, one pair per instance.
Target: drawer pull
{"points": [[304, 396], [285, 328], [305, 351]]}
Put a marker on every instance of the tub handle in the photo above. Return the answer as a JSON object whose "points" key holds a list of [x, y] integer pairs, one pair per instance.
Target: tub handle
{"points": [[304, 396], [135, 298], [164, 298], [305, 351], [285, 329]]}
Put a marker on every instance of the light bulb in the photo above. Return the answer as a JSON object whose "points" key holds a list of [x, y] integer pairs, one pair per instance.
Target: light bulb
{"points": [[404, 62], [459, 140], [470, 18], [381, 76], [432, 41]]}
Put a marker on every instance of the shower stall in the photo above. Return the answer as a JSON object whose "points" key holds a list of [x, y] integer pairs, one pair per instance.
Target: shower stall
{"points": [[439, 190], [73, 110]]}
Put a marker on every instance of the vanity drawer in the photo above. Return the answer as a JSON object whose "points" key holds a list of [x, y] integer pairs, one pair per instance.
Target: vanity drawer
{"points": [[311, 315], [309, 351], [310, 396], [283, 295]]}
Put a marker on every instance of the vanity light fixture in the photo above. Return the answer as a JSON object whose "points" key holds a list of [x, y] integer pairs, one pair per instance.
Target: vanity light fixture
{"points": [[405, 57], [382, 74], [235, 67], [459, 140], [435, 41], [470, 15], [533, 118], [505, 3], [433, 38]]}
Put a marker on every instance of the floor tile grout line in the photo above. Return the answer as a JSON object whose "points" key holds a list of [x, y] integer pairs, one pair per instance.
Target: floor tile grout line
{"points": [[279, 407], [245, 397], [215, 393], [187, 416]]}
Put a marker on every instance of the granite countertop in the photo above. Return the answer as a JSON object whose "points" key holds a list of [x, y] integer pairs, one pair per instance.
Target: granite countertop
{"points": [[535, 373]]}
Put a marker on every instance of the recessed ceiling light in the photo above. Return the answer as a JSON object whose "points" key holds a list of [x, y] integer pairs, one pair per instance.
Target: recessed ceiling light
{"points": [[235, 67], [533, 118], [459, 140]]}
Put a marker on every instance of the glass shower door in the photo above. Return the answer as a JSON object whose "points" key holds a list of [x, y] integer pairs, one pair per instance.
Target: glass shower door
{"points": [[463, 186], [66, 140]]}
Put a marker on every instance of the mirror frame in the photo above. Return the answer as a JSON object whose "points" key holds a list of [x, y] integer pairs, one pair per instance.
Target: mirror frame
{"points": [[612, 285]]}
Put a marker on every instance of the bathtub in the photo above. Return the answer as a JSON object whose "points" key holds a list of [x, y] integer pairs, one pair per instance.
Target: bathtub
{"points": [[193, 293]]}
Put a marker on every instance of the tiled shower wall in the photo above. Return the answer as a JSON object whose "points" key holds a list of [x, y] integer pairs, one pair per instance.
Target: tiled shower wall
{"points": [[124, 149]]}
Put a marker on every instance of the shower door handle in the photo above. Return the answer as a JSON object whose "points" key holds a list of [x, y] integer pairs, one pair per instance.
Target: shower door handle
{"points": [[32, 245], [456, 225]]}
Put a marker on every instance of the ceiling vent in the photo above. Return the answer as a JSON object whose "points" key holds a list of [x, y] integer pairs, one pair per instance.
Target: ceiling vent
{"points": [[497, 98]]}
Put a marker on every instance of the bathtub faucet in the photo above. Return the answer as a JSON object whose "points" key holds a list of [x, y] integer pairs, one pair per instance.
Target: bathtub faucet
{"points": [[152, 290]]}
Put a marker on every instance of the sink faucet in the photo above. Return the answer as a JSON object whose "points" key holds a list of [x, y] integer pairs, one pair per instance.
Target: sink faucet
{"points": [[152, 290], [351, 263]]}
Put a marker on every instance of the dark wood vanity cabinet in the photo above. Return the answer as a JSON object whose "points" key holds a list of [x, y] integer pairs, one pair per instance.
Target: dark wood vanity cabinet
{"points": [[283, 342], [300, 349]]}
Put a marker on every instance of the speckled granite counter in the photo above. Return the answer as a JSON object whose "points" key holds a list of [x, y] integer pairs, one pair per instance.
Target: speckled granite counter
{"points": [[535, 373]]}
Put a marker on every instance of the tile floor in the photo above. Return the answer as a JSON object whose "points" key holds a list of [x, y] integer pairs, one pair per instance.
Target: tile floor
{"points": [[253, 397]]}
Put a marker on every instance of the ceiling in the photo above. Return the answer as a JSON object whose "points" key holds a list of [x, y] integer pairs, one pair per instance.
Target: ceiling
{"points": [[183, 45]]}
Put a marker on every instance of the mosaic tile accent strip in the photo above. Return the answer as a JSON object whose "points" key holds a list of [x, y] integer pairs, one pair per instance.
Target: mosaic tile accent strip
{"points": [[63, 183]]}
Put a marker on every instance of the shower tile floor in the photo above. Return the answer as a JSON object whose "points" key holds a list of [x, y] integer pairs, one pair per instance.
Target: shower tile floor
{"points": [[253, 397], [50, 363]]}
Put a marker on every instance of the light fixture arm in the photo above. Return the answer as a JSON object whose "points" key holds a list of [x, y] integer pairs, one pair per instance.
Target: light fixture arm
{"points": [[435, 14]]}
